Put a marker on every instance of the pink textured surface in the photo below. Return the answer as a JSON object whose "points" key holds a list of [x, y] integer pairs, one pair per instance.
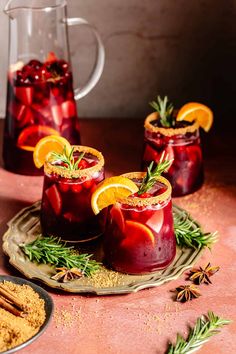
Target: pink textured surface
{"points": [[146, 321]]}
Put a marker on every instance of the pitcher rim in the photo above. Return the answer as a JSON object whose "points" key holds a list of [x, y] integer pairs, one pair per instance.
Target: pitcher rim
{"points": [[8, 10]]}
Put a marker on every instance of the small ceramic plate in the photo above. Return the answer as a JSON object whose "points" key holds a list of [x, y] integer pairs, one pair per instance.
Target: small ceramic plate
{"points": [[25, 227], [48, 309]]}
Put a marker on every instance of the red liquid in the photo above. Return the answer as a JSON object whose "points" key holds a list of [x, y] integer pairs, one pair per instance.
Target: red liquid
{"points": [[66, 207], [186, 171], [139, 239], [40, 101]]}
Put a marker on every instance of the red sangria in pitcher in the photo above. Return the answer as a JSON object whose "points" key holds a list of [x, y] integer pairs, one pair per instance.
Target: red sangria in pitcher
{"points": [[41, 100]]}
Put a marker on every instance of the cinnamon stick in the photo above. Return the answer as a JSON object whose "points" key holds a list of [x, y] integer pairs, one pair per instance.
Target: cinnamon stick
{"points": [[7, 306], [9, 295]]}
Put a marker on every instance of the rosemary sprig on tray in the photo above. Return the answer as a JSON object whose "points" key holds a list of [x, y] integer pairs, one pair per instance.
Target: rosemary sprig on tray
{"points": [[205, 327], [188, 234], [50, 250], [165, 111], [150, 178], [68, 159]]}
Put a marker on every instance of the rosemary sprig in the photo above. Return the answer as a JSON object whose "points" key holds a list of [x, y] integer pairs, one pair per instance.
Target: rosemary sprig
{"points": [[165, 111], [189, 235], [205, 327], [150, 178], [49, 250], [67, 158]]}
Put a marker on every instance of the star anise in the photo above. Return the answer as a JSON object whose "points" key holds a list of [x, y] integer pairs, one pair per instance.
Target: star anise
{"points": [[200, 275], [65, 275], [187, 292]]}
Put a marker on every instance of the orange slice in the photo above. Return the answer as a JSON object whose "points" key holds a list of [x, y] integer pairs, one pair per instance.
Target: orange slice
{"points": [[51, 143], [196, 111], [111, 190], [155, 222], [137, 234], [118, 217], [29, 137]]}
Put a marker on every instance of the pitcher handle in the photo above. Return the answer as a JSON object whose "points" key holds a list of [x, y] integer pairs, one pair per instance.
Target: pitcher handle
{"points": [[99, 63]]}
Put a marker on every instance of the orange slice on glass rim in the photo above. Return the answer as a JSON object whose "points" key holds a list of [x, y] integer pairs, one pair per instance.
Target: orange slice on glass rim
{"points": [[137, 234], [196, 111], [111, 190], [48, 144], [32, 134]]}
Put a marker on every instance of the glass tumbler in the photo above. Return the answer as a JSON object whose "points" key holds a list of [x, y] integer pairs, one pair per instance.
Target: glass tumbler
{"points": [[66, 201], [182, 144], [139, 236]]}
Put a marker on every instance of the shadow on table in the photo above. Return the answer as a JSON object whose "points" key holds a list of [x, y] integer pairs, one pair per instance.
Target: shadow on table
{"points": [[9, 208]]}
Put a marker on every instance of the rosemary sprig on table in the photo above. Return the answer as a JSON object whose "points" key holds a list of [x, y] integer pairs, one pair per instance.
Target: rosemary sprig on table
{"points": [[165, 111], [189, 235], [205, 327], [150, 178], [50, 250], [67, 158]]}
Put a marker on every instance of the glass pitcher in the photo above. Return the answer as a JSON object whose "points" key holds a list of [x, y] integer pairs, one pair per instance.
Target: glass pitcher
{"points": [[40, 94]]}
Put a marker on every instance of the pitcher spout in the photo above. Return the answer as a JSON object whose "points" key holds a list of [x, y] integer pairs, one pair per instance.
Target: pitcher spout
{"points": [[9, 9], [13, 6]]}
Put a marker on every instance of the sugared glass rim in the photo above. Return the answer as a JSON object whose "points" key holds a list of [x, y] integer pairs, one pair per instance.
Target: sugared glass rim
{"points": [[49, 168], [137, 201], [168, 131]]}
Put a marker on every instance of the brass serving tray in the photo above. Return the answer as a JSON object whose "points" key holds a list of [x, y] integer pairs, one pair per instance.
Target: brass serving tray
{"points": [[25, 227]]}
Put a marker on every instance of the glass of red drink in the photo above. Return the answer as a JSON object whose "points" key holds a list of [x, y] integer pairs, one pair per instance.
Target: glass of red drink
{"points": [[139, 236], [40, 94], [182, 144], [66, 201]]}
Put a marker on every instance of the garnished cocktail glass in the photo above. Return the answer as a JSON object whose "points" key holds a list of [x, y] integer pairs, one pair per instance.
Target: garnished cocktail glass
{"points": [[66, 202], [182, 144], [139, 237]]}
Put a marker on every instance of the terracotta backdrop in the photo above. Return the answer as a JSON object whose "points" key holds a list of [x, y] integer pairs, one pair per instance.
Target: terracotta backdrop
{"points": [[183, 48]]}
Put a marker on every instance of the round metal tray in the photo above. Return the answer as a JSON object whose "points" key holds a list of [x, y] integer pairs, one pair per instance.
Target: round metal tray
{"points": [[25, 227]]}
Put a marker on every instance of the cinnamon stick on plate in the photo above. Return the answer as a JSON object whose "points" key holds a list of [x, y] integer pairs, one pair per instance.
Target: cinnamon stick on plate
{"points": [[9, 307], [11, 303]]}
